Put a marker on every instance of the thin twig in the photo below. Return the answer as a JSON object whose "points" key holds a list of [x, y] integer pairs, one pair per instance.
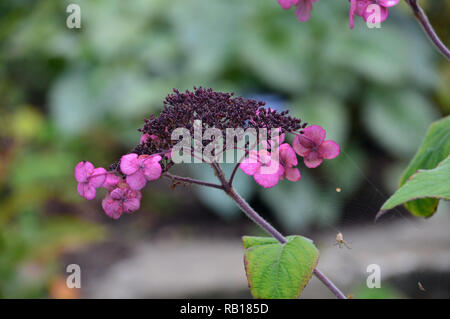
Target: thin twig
{"points": [[428, 28], [191, 181], [235, 169]]}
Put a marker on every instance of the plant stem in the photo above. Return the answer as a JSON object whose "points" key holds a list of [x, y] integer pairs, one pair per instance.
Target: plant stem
{"points": [[327, 282], [261, 222], [255, 217], [191, 181], [428, 28]]}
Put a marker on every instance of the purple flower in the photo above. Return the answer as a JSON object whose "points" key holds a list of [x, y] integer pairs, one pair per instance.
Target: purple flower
{"points": [[140, 169], [121, 200], [313, 148], [89, 179], [304, 8], [361, 8]]}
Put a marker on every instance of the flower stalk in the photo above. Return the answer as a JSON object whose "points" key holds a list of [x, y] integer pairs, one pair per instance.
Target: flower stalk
{"points": [[428, 28]]}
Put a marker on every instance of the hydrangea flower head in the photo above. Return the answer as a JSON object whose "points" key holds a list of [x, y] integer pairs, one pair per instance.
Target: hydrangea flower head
{"points": [[312, 146], [361, 8], [121, 199], [140, 169], [89, 179], [263, 168]]}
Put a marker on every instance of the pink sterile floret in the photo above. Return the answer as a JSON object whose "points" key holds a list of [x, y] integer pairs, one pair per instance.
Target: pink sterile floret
{"points": [[89, 179], [263, 168], [111, 181], [313, 148], [140, 169], [304, 8], [121, 199], [361, 8], [288, 159]]}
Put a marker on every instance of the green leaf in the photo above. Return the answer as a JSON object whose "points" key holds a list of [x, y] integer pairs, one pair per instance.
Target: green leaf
{"points": [[434, 149], [433, 184], [279, 271]]}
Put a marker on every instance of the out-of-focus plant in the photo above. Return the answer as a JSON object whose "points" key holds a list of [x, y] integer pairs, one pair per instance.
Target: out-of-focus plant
{"points": [[32, 178]]}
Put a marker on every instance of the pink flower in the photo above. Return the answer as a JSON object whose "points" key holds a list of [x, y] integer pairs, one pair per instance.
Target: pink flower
{"points": [[288, 159], [111, 181], [313, 148], [89, 179], [304, 8], [361, 8], [140, 169], [263, 168], [121, 200]]}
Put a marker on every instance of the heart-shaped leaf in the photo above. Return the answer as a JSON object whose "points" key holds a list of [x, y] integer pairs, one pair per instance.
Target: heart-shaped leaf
{"points": [[279, 271], [433, 184], [434, 149]]}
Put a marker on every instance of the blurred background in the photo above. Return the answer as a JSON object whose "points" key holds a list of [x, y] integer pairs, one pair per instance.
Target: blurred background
{"points": [[68, 95]]}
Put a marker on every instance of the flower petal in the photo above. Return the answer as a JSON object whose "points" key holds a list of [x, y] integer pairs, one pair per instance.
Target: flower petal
{"points": [[111, 180], [152, 171], [266, 180], [303, 11], [384, 13], [287, 155], [292, 174], [302, 146], [351, 13], [137, 180], [131, 205], [315, 134], [329, 149], [87, 191], [113, 208], [312, 160], [97, 177], [129, 164], [117, 193], [83, 170], [286, 4], [250, 165], [388, 3]]}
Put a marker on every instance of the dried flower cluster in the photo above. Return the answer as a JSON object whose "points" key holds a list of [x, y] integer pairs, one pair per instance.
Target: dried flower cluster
{"points": [[153, 156]]}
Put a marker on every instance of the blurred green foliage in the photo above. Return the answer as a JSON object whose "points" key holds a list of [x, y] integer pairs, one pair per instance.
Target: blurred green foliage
{"points": [[68, 95]]}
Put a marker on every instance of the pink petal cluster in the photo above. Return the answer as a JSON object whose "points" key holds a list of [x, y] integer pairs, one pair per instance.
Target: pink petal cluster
{"points": [[268, 171], [264, 170], [121, 199], [312, 146], [288, 160], [303, 8], [123, 196], [361, 8], [89, 179], [140, 169]]}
